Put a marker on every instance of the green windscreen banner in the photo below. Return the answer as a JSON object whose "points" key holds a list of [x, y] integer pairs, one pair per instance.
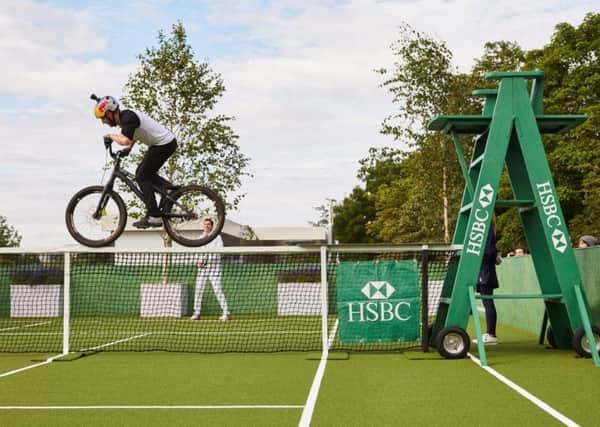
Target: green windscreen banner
{"points": [[378, 301]]}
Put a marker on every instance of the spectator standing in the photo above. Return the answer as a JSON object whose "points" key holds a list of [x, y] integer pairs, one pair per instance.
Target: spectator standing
{"points": [[209, 270]]}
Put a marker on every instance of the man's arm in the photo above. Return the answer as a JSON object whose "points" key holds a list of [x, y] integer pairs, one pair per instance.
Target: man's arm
{"points": [[121, 140], [129, 123]]}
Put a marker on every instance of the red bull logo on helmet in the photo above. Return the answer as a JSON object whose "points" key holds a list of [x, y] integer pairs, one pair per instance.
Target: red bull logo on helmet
{"points": [[101, 107]]}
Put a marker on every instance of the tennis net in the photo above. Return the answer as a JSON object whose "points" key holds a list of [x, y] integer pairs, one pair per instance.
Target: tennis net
{"points": [[264, 299]]}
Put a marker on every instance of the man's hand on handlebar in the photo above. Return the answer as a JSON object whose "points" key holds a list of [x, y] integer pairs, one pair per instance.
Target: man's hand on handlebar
{"points": [[120, 153]]}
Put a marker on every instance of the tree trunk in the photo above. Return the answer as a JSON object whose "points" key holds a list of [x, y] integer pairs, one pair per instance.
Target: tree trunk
{"points": [[445, 203]]}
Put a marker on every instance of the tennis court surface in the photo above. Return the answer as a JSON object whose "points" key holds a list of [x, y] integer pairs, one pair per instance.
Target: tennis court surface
{"points": [[120, 349]]}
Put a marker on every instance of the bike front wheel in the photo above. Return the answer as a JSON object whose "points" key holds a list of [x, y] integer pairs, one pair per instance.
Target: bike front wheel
{"points": [[185, 211], [94, 219]]}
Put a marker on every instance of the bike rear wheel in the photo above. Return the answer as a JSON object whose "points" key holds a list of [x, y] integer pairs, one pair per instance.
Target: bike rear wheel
{"points": [[91, 231], [185, 211]]}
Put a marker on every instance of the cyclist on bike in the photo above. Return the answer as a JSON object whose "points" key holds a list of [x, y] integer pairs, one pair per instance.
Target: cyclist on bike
{"points": [[137, 126]]}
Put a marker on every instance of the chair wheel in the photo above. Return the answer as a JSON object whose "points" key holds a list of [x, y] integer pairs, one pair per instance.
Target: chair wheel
{"points": [[580, 341], [453, 343]]}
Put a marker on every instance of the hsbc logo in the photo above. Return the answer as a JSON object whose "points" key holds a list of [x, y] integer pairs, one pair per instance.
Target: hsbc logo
{"points": [[486, 195], [378, 290], [378, 308], [553, 220], [477, 232], [559, 240]]}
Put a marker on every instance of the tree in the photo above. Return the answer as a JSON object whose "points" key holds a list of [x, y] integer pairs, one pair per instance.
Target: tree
{"points": [[572, 86], [416, 193], [9, 237], [424, 84], [323, 220], [324, 212], [181, 93], [499, 56], [502, 56], [352, 217]]}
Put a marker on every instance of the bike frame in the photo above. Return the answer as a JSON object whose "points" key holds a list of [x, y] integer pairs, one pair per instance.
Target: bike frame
{"points": [[129, 180]]}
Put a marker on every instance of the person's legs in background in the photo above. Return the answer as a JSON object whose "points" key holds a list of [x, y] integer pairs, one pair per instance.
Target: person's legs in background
{"points": [[201, 280], [490, 314]]}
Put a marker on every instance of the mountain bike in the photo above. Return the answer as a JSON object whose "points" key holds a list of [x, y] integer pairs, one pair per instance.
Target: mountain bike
{"points": [[97, 215]]}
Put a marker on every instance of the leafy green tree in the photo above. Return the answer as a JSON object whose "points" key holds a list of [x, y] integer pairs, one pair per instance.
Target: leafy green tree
{"points": [[424, 84], [502, 56], [324, 214], [415, 193], [499, 56], [352, 218], [419, 83], [382, 165], [572, 86], [355, 213], [181, 93], [323, 220], [9, 237]]}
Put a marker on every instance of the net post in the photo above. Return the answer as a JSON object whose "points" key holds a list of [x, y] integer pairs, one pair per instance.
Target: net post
{"points": [[425, 298], [66, 302], [324, 307]]}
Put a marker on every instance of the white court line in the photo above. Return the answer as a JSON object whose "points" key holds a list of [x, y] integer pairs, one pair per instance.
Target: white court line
{"points": [[332, 334], [170, 333], [36, 408], [117, 342], [29, 334], [31, 325], [309, 407], [537, 402], [16, 371], [281, 332], [51, 359]]}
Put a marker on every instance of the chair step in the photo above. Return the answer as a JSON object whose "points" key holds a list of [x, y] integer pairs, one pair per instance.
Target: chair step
{"points": [[520, 296], [466, 208], [515, 203], [477, 161]]}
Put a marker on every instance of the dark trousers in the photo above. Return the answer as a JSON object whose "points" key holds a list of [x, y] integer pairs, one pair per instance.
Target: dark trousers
{"points": [[147, 174], [490, 309]]}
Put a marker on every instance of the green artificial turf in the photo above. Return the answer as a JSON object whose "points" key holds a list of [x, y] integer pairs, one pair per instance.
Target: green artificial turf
{"points": [[358, 389], [161, 379]]}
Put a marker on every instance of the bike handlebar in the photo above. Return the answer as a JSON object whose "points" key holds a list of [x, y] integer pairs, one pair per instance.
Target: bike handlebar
{"points": [[115, 154]]}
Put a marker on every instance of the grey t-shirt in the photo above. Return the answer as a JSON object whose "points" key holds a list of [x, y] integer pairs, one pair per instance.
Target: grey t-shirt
{"points": [[137, 126]]}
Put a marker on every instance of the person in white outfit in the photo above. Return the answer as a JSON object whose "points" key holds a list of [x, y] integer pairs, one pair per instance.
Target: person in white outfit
{"points": [[209, 269]]}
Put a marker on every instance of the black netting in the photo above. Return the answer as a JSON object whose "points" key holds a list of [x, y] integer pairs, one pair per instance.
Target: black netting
{"points": [[140, 301], [31, 302], [430, 268]]}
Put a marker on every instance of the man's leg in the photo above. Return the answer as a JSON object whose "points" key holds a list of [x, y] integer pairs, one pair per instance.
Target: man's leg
{"points": [[147, 174], [215, 280], [200, 285]]}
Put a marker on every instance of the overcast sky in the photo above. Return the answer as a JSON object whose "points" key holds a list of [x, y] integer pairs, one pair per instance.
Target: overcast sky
{"points": [[299, 78]]}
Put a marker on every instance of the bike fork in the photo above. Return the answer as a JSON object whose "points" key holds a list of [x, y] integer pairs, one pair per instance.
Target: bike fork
{"points": [[99, 212]]}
